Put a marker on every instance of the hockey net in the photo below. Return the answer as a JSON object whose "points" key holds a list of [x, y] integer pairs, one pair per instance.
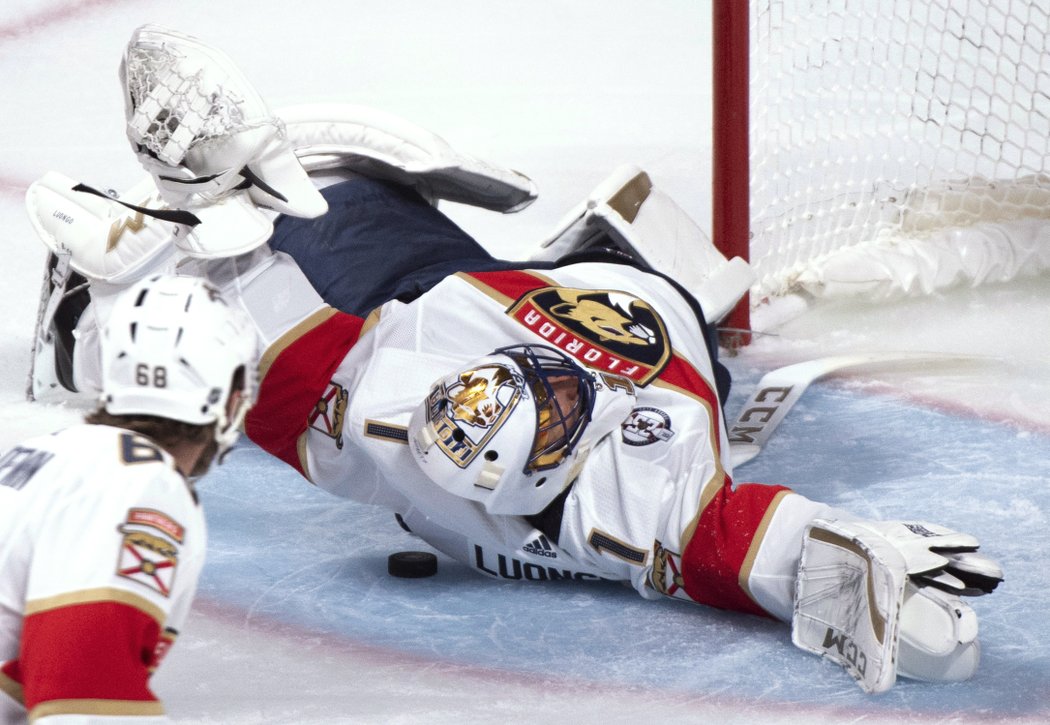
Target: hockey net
{"points": [[896, 146]]}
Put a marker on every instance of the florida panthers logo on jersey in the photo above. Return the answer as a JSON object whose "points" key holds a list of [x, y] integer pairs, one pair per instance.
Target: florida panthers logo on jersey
{"points": [[469, 411], [606, 330], [666, 576]]}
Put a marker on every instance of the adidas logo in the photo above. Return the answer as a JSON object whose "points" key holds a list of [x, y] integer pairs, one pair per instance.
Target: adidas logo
{"points": [[540, 547]]}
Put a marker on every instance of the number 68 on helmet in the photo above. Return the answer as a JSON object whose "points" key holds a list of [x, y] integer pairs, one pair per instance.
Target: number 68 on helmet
{"points": [[511, 430], [174, 350]]}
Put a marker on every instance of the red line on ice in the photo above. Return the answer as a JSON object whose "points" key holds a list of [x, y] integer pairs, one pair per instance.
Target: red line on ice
{"points": [[41, 20]]}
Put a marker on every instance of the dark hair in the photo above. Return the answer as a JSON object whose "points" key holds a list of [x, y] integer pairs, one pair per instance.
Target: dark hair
{"points": [[165, 432]]}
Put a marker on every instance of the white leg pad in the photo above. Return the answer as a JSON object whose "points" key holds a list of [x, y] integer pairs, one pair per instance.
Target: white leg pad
{"points": [[87, 354], [628, 210], [333, 138], [269, 286], [105, 240]]}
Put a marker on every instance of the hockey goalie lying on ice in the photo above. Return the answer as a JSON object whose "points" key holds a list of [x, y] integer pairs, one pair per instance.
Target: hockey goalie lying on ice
{"points": [[560, 416]]}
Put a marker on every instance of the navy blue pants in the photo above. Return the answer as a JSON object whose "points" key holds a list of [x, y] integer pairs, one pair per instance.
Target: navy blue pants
{"points": [[380, 241]]}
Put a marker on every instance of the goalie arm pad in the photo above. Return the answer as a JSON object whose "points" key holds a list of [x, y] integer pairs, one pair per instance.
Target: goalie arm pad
{"points": [[882, 598], [345, 137]]}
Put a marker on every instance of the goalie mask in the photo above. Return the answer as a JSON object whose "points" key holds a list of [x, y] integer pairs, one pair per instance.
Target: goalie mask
{"points": [[171, 349], [512, 429], [202, 131]]}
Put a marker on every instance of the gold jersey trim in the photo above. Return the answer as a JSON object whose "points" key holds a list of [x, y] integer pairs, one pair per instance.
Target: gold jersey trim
{"points": [[301, 450], [11, 688], [707, 495], [311, 321], [371, 321], [140, 708], [712, 415], [658, 383], [756, 544], [101, 594]]}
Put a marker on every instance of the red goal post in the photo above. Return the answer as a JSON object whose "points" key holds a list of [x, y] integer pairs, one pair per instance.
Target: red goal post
{"points": [[880, 147]]}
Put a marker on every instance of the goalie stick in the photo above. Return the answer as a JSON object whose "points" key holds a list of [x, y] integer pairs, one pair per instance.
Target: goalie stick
{"points": [[779, 390]]}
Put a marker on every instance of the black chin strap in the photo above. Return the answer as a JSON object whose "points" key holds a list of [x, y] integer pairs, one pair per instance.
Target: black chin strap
{"points": [[253, 180], [175, 216], [248, 179]]}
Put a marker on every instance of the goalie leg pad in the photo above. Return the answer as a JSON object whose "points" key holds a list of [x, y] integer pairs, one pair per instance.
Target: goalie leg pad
{"points": [[848, 599], [628, 212], [64, 297], [331, 139], [104, 240]]}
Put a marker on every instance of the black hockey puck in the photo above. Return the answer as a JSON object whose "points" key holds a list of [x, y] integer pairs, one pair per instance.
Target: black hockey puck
{"points": [[412, 564]]}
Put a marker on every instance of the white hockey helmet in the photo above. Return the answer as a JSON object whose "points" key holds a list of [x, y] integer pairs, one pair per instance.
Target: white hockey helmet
{"points": [[171, 349], [512, 429], [203, 132]]}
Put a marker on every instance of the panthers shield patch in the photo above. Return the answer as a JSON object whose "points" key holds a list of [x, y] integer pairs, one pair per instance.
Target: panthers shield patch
{"points": [[149, 551], [605, 330]]}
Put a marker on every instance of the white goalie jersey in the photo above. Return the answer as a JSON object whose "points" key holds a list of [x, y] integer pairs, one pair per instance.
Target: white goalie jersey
{"points": [[338, 391]]}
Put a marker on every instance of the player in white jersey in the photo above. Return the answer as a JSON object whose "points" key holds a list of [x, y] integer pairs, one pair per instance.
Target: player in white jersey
{"points": [[552, 419], [570, 419], [102, 537], [651, 457]]}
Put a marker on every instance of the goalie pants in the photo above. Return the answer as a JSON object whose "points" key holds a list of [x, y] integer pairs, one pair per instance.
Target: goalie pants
{"points": [[379, 241]]}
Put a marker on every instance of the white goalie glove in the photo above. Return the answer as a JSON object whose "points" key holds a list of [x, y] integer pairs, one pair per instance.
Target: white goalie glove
{"points": [[884, 598]]}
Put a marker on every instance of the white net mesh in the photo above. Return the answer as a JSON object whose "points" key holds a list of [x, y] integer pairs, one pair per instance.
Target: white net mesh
{"points": [[873, 121]]}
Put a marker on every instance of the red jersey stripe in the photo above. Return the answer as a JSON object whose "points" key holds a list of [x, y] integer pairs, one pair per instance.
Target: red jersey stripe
{"points": [[295, 379], [723, 543], [510, 283], [90, 651]]}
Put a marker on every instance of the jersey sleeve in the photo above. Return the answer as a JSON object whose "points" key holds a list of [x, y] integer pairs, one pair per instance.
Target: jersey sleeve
{"points": [[113, 570], [294, 372]]}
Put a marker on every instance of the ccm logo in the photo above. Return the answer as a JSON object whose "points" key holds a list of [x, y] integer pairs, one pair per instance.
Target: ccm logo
{"points": [[756, 417], [847, 649]]}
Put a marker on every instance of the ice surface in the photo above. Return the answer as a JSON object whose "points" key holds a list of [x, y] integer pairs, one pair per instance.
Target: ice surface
{"points": [[297, 621]]}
